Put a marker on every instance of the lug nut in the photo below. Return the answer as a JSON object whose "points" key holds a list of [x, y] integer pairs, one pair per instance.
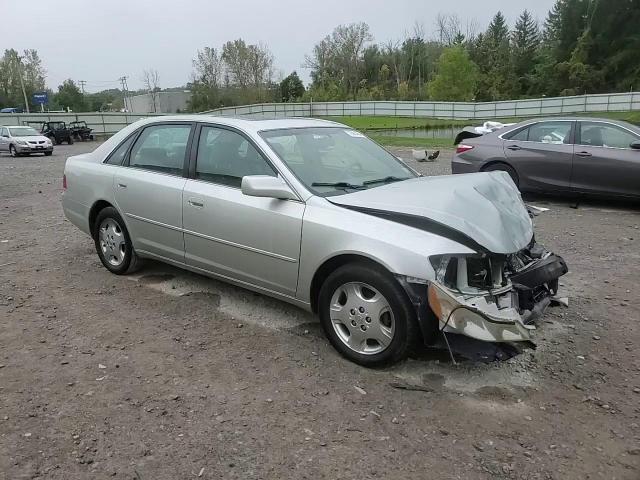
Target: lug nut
{"points": [[368, 319], [363, 327], [353, 322], [353, 312], [361, 309]]}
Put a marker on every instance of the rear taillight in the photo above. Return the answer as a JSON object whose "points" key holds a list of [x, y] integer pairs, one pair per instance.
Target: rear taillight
{"points": [[64, 182], [463, 148]]}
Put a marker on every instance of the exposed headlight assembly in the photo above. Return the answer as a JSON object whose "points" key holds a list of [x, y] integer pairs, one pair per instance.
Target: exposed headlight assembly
{"points": [[483, 317], [471, 296], [21, 142]]}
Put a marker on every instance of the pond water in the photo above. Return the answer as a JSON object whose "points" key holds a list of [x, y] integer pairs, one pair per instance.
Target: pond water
{"points": [[446, 132]]}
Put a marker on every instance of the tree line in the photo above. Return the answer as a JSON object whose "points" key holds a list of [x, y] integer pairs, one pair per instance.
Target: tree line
{"points": [[582, 46]]}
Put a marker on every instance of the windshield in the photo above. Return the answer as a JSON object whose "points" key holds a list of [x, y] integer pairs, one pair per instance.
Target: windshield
{"points": [[23, 132], [335, 160]]}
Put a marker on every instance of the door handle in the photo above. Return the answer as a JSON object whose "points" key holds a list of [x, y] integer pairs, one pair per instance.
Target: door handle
{"points": [[514, 147], [121, 185], [196, 202], [583, 154]]}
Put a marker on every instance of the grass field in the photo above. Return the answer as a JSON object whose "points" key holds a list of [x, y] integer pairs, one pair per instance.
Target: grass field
{"points": [[373, 123], [413, 142]]}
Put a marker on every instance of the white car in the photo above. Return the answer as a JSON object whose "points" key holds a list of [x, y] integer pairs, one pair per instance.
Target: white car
{"points": [[22, 140]]}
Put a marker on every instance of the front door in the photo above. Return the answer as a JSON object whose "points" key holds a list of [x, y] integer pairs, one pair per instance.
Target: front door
{"points": [[542, 154], [4, 138], [148, 189], [604, 161], [249, 239]]}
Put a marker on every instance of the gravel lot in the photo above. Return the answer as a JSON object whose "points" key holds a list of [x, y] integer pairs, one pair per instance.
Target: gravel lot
{"points": [[167, 375]]}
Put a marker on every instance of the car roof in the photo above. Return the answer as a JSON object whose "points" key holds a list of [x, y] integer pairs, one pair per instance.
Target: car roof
{"points": [[579, 119], [250, 124]]}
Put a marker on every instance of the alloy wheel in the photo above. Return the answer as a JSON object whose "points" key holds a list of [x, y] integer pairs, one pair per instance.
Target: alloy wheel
{"points": [[112, 241], [362, 318]]}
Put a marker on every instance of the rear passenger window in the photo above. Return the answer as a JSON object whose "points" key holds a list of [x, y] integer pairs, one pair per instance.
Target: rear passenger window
{"points": [[117, 156], [550, 132], [522, 135], [225, 157], [161, 148]]}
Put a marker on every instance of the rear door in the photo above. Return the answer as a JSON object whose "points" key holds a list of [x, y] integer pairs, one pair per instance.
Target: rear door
{"points": [[148, 189], [542, 154], [249, 239], [604, 161]]}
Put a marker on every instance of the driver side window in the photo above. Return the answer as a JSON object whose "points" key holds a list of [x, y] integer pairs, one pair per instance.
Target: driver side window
{"points": [[225, 156]]}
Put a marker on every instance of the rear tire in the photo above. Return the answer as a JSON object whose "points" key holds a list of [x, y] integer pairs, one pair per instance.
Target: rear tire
{"points": [[367, 316], [503, 167], [113, 243], [70, 141], [12, 151]]}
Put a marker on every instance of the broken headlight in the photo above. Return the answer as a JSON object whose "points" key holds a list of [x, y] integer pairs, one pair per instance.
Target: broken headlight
{"points": [[469, 273]]}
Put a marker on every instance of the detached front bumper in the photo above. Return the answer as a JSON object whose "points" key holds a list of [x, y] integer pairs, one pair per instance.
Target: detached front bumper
{"points": [[504, 314]]}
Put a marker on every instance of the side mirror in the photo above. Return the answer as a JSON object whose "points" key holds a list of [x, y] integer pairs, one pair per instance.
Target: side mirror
{"points": [[635, 145], [266, 186]]}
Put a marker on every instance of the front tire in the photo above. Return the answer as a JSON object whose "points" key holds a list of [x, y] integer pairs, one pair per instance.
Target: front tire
{"points": [[70, 140], [113, 243], [48, 154], [12, 151], [367, 316]]}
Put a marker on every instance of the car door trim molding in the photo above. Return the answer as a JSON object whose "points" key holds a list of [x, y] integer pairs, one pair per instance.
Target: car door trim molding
{"points": [[241, 246], [232, 280], [213, 239], [153, 222]]}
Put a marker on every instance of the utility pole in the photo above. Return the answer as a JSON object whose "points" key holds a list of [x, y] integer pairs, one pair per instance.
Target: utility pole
{"points": [[82, 83], [24, 92], [123, 81]]}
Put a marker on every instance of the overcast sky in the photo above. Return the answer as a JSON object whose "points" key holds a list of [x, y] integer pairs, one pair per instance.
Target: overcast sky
{"points": [[99, 41]]}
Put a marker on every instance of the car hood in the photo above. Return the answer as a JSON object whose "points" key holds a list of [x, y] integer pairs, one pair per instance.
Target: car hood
{"points": [[34, 138], [481, 210]]}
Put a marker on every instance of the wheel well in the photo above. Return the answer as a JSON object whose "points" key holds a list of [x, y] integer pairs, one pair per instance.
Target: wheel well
{"points": [[329, 266], [95, 209], [500, 162]]}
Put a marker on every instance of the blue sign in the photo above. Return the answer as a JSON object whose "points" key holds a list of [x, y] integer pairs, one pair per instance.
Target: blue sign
{"points": [[41, 98]]}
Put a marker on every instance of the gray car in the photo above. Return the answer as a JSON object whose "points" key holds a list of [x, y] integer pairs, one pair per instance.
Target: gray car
{"points": [[559, 155], [316, 214]]}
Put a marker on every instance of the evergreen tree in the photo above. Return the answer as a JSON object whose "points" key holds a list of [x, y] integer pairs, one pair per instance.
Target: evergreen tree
{"points": [[525, 41]]}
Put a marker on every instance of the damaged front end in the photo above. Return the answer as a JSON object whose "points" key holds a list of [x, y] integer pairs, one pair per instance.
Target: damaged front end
{"points": [[494, 298]]}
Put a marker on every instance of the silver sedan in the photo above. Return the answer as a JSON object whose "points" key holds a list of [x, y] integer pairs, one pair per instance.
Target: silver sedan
{"points": [[578, 156], [316, 214]]}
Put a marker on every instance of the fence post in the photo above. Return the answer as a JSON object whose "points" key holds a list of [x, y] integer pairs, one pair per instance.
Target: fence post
{"points": [[104, 129]]}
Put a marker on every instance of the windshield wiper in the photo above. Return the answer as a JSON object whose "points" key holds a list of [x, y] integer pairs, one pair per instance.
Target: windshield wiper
{"points": [[338, 185], [386, 180]]}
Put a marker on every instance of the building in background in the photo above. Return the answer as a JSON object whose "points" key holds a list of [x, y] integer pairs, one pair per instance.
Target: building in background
{"points": [[165, 102]]}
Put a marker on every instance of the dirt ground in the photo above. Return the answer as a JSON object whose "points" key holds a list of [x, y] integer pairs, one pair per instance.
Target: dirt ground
{"points": [[169, 375]]}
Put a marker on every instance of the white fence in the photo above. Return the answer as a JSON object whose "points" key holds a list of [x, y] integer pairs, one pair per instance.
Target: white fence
{"points": [[615, 102], [110, 123]]}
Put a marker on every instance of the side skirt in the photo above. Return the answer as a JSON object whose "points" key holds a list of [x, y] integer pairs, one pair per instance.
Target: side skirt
{"points": [[249, 286]]}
